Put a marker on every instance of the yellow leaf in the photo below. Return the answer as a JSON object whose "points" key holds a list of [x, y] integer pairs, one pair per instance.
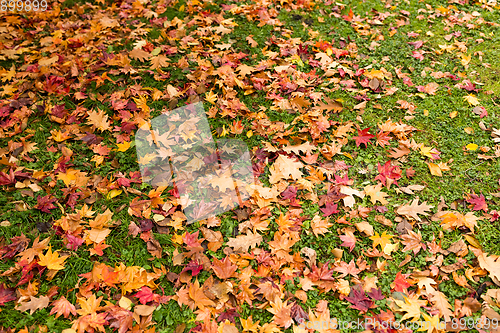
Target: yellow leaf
{"points": [[114, 193], [125, 303], [469, 130], [472, 146], [211, 97], [51, 260], [249, 134], [465, 59], [98, 159], [435, 169], [453, 114], [123, 146], [472, 100], [375, 193], [381, 240], [426, 151], [473, 241]]}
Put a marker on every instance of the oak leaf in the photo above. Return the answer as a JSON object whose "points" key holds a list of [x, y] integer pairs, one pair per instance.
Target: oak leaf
{"points": [[414, 209], [441, 303], [35, 303], [283, 168], [139, 54], [491, 264], [244, 242]]}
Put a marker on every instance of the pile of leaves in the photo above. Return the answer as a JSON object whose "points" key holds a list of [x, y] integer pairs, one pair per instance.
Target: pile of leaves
{"points": [[374, 136]]}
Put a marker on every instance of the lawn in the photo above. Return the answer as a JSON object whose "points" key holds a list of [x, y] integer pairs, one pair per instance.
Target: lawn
{"points": [[373, 129]]}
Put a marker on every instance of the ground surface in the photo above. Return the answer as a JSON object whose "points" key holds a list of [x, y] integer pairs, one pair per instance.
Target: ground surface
{"points": [[374, 132]]}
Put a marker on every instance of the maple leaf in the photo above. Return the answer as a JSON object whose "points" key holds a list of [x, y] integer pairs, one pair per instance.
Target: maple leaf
{"points": [[320, 226], [330, 209], [62, 307], [290, 193], [119, 318], [411, 305], [414, 209], [282, 312], [382, 240], [146, 295], [7, 294], [400, 282], [388, 174], [359, 301], [383, 138], [99, 120], [51, 260], [375, 193], [45, 203], [412, 241], [224, 268], [479, 202], [35, 303], [429, 88], [376, 294], [30, 253], [198, 296], [363, 137], [348, 240], [347, 268]]}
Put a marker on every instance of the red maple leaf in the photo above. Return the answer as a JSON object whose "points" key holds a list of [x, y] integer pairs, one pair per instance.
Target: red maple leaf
{"points": [[45, 203], [146, 295], [388, 171], [7, 294], [343, 181], [19, 244], [376, 294], [348, 240], [383, 138], [400, 283], [289, 193], [194, 267], [363, 137], [192, 239], [479, 202], [330, 209], [323, 273], [7, 179], [358, 299]]}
